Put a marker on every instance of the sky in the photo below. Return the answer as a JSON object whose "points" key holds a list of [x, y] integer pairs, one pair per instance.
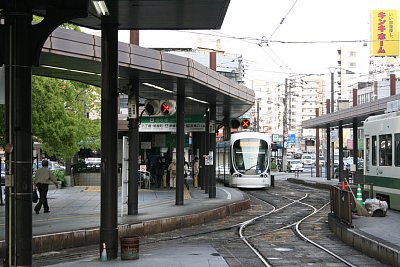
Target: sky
{"points": [[254, 30]]}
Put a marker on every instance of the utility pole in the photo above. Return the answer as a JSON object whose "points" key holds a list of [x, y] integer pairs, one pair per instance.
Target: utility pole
{"points": [[333, 110], [258, 114], [285, 127]]}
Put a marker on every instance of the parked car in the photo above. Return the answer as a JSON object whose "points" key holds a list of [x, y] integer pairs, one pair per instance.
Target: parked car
{"points": [[307, 159], [295, 165], [322, 161]]}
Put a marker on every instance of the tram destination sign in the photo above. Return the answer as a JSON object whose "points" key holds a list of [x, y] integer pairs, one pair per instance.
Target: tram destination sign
{"points": [[168, 124]]}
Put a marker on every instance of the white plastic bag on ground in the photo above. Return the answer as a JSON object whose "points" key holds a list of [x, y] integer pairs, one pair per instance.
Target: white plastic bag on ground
{"points": [[376, 207]]}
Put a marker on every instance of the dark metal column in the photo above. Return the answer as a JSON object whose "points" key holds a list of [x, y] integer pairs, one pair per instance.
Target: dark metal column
{"points": [[133, 136], [317, 143], [328, 154], [202, 168], [212, 190], [18, 78], [206, 151], [355, 144], [340, 153], [180, 141], [109, 135]]}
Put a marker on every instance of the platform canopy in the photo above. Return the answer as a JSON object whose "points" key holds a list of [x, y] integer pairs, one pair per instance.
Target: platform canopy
{"points": [[139, 14]]}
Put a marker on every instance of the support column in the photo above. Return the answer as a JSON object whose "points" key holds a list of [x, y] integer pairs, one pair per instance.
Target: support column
{"points": [[18, 92], [341, 167], [355, 144], [212, 190], [202, 168], [109, 135], [133, 136], [206, 150], [328, 154], [180, 141], [317, 143]]}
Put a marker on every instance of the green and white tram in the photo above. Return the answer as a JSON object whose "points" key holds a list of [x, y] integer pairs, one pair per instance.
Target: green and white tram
{"points": [[382, 156]]}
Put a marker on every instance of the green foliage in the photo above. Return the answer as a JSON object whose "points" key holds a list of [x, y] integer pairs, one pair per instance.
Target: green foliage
{"points": [[59, 119], [59, 174], [273, 165]]}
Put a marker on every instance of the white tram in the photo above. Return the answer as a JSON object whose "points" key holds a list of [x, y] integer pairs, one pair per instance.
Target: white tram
{"points": [[244, 161], [382, 156]]}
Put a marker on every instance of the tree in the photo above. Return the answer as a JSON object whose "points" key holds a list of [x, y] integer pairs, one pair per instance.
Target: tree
{"points": [[59, 119]]}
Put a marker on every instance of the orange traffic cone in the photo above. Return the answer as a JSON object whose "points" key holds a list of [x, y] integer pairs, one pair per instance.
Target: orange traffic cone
{"points": [[343, 186]]}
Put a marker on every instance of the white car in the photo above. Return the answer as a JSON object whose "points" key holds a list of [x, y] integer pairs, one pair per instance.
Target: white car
{"points": [[307, 159], [295, 165]]}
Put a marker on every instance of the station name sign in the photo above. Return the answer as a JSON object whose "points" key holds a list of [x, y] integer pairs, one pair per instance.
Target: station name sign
{"points": [[168, 124]]}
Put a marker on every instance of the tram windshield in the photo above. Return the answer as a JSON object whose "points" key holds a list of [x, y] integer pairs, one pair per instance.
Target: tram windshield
{"points": [[250, 155]]}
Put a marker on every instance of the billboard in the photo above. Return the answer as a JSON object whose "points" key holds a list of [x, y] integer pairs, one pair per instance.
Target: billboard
{"points": [[385, 35]]}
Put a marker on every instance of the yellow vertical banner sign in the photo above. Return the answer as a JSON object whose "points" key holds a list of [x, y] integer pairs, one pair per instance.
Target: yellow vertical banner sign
{"points": [[385, 34]]}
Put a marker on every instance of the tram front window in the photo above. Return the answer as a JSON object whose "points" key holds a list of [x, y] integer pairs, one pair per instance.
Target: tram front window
{"points": [[250, 156]]}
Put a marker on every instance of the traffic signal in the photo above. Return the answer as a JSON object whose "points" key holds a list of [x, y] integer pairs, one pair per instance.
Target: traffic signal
{"points": [[168, 107], [235, 123], [152, 107], [245, 123]]}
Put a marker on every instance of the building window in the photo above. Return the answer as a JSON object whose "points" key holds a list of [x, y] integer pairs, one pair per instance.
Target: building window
{"points": [[352, 64], [352, 53]]}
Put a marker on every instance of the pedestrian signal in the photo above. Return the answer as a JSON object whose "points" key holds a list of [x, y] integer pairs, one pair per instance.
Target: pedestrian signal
{"points": [[245, 123], [152, 107], [168, 107], [235, 124]]}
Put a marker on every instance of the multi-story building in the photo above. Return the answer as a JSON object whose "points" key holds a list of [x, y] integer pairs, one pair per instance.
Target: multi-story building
{"points": [[353, 67], [301, 98]]}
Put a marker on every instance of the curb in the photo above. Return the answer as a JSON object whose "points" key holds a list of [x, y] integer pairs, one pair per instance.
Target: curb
{"points": [[361, 241]]}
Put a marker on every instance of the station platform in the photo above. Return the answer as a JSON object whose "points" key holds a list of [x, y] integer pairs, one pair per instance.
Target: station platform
{"points": [[74, 221]]}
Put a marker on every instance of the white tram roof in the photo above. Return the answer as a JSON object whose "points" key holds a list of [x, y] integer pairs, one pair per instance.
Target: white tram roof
{"points": [[382, 116]]}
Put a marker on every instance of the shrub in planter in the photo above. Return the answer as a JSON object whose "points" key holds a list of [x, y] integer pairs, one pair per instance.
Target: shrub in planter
{"points": [[60, 175]]}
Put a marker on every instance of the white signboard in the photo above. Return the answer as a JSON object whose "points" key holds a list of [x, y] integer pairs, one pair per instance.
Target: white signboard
{"points": [[132, 108], [211, 127], [145, 145], [334, 135], [209, 159]]}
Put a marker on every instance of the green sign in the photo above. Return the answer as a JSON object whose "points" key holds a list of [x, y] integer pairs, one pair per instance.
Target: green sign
{"points": [[168, 124]]}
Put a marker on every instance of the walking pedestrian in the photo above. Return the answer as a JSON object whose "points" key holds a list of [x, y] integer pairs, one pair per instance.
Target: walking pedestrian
{"points": [[43, 178], [159, 172]]}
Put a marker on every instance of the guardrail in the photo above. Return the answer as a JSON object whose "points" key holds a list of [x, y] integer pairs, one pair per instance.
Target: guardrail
{"points": [[342, 200], [341, 203]]}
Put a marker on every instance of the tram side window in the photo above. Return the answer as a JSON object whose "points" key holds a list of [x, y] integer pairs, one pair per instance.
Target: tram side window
{"points": [[374, 147], [385, 150], [397, 149], [367, 151]]}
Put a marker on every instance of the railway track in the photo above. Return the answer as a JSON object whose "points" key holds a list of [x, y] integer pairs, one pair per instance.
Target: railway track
{"points": [[286, 226]]}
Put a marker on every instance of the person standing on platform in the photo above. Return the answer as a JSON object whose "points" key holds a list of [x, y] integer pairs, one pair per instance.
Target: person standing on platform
{"points": [[196, 172], [172, 174], [44, 177], [159, 171]]}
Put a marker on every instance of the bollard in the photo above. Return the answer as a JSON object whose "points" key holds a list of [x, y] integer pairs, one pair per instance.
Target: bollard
{"points": [[195, 181], [272, 180], [129, 248], [164, 180]]}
